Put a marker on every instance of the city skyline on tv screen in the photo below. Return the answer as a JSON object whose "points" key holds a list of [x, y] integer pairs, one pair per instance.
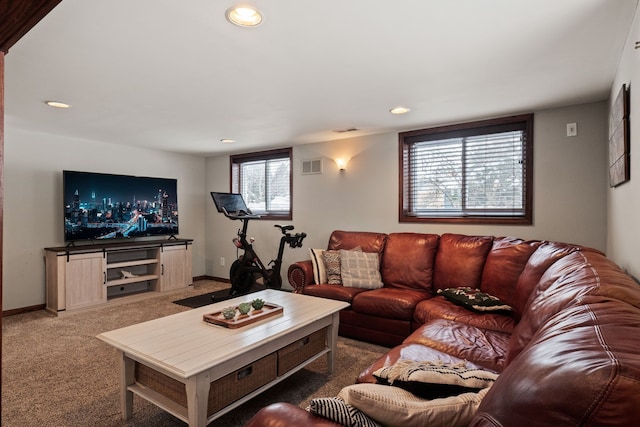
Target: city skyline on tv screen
{"points": [[106, 206]]}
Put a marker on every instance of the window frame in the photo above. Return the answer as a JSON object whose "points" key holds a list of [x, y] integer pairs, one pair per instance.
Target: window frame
{"points": [[236, 160], [522, 122]]}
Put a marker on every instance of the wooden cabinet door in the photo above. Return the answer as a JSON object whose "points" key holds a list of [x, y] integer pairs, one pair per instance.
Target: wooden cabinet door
{"points": [[175, 267], [85, 280]]}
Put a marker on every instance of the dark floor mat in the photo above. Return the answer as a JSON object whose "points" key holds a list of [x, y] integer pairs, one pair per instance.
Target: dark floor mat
{"points": [[211, 297]]}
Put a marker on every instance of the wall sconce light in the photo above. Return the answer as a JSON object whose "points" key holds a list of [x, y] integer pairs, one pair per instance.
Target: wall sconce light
{"points": [[342, 163]]}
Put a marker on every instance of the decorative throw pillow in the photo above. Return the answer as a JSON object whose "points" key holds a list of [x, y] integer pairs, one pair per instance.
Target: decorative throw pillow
{"points": [[331, 259], [360, 269], [336, 410], [474, 299], [432, 380], [319, 270], [393, 406], [332, 266]]}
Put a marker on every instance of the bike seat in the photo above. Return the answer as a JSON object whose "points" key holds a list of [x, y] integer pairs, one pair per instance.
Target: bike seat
{"points": [[284, 228]]}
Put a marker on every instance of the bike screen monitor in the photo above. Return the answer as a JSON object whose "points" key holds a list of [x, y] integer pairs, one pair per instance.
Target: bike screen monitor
{"points": [[231, 202]]}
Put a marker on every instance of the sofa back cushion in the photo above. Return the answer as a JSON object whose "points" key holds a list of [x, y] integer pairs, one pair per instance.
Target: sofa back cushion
{"points": [[562, 285], [581, 365], [545, 255], [505, 262], [408, 260], [460, 260], [365, 240]]}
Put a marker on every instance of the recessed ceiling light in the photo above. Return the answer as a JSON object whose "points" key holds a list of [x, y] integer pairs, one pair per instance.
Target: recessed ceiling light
{"points": [[244, 16], [57, 104], [228, 140], [400, 110]]}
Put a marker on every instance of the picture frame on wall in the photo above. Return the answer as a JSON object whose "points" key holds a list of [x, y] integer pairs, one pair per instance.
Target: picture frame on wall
{"points": [[619, 160]]}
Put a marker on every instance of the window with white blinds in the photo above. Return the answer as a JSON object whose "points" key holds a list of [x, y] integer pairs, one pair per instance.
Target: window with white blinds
{"points": [[264, 180], [476, 172]]}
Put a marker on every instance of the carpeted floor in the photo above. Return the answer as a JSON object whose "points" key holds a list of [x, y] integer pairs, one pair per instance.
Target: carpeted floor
{"points": [[55, 372]]}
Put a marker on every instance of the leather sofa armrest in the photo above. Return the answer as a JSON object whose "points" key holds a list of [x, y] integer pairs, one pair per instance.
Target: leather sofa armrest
{"points": [[300, 274], [287, 415]]}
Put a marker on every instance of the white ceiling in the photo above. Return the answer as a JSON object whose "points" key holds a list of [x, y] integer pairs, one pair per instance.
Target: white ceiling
{"points": [[175, 75]]}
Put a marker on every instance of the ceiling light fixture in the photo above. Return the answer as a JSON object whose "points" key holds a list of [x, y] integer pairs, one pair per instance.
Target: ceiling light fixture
{"points": [[57, 104], [228, 140], [244, 16], [400, 110]]}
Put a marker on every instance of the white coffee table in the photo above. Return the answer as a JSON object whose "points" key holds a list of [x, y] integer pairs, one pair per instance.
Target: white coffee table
{"points": [[186, 366]]}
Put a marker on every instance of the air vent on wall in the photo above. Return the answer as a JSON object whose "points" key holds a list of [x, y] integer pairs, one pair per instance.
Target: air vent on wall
{"points": [[311, 166], [345, 130]]}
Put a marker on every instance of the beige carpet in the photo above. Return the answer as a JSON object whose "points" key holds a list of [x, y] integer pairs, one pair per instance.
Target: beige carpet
{"points": [[55, 372]]}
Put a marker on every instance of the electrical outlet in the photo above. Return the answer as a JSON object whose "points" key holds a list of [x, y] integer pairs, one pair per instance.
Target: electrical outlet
{"points": [[572, 129], [222, 261]]}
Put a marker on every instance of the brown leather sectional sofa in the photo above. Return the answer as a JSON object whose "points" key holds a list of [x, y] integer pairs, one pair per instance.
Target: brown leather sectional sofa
{"points": [[567, 354]]}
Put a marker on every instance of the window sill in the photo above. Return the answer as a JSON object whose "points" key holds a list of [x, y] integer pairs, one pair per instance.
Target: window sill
{"points": [[468, 220]]}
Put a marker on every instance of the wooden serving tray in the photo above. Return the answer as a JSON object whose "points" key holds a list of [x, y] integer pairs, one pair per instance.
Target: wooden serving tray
{"points": [[268, 310]]}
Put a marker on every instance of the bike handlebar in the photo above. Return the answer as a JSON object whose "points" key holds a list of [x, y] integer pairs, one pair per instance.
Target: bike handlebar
{"points": [[284, 228], [296, 241]]}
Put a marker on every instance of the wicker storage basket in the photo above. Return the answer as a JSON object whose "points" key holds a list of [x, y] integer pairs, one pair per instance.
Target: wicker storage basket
{"points": [[238, 384], [295, 353], [222, 392], [165, 385]]}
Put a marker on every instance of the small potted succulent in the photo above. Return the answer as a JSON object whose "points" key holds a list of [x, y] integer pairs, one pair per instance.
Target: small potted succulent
{"points": [[244, 308], [229, 313], [257, 304]]}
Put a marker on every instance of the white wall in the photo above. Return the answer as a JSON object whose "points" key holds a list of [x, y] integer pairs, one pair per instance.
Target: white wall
{"points": [[623, 202], [570, 190], [33, 211], [570, 182]]}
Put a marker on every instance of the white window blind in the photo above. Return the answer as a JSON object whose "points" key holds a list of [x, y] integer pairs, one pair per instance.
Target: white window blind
{"points": [[264, 180], [470, 173]]}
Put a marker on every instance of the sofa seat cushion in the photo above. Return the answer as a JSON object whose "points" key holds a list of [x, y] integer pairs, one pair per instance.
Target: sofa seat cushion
{"points": [[391, 303], [336, 292], [373, 329], [439, 307], [411, 351], [482, 346]]}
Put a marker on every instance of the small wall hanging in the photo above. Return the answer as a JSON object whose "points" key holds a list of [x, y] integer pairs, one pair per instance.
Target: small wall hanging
{"points": [[619, 161]]}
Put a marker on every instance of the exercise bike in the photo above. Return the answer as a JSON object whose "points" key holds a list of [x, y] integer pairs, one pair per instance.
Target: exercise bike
{"points": [[249, 268]]}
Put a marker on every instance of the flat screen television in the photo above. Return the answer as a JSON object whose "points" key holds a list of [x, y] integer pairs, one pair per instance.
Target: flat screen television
{"points": [[100, 206]]}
